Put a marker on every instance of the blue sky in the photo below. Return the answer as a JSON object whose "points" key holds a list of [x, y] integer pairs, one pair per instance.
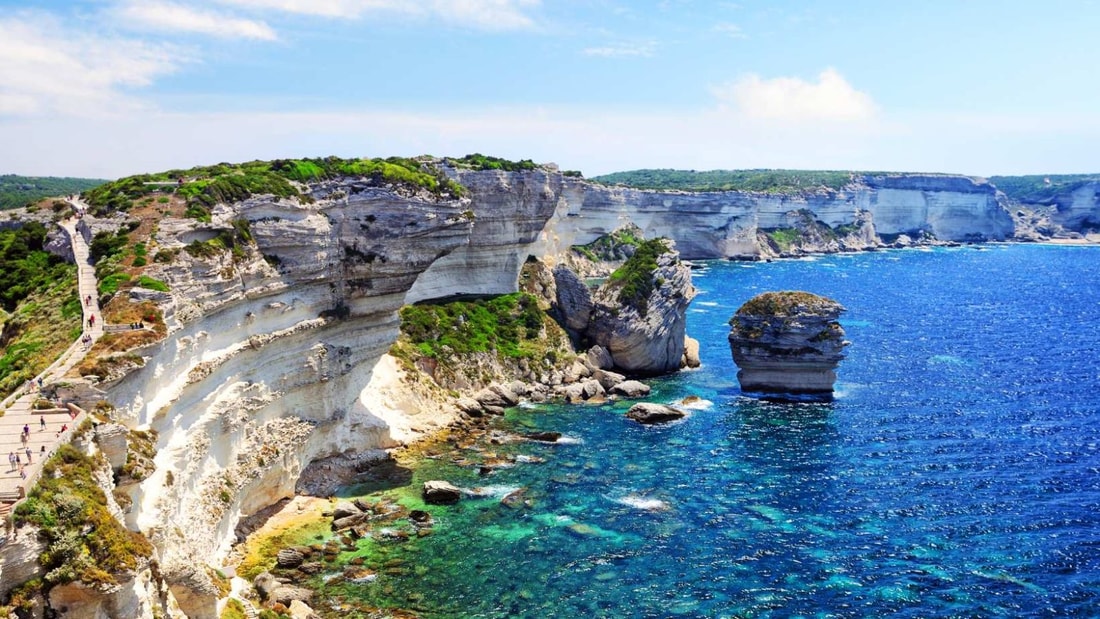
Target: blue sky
{"points": [[115, 87]]}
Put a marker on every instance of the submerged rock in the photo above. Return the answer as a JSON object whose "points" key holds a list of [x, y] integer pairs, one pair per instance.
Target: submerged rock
{"points": [[787, 346], [647, 413]]}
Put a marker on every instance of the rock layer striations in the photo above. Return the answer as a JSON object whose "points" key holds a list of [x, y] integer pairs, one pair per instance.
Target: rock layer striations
{"points": [[788, 345]]}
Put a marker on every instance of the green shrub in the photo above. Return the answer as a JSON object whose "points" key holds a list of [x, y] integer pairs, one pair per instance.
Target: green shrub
{"points": [[152, 284], [83, 541], [105, 244], [486, 162], [500, 323], [784, 238]]}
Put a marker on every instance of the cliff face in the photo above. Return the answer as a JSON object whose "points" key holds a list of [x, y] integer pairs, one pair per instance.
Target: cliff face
{"points": [[725, 224], [273, 356]]}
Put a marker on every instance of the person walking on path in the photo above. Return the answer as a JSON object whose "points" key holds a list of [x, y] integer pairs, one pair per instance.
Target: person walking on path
{"points": [[23, 439], [29, 454], [22, 472], [27, 429], [41, 423], [11, 459]]}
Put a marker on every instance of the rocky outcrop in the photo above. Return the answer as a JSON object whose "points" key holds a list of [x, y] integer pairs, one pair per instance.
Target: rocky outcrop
{"points": [[647, 413], [441, 493], [639, 314], [787, 345]]}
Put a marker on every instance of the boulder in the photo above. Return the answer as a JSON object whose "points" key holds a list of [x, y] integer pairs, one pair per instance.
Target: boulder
{"points": [[441, 493], [343, 509], [787, 346], [630, 389], [598, 357], [288, 594], [289, 558], [300, 610], [573, 304], [592, 388], [507, 395], [470, 406], [691, 353], [576, 372], [648, 413], [608, 379]]}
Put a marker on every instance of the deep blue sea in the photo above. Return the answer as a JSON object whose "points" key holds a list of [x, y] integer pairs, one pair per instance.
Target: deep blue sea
{"points": [[957, 474]]}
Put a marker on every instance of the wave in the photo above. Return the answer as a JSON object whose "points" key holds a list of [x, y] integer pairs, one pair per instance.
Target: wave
{"points": [[694, 403], [498, 492], [638, 501]]}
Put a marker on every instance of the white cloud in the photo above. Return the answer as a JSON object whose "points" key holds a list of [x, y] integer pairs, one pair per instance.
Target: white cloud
{"points": [[482, 14], [732, 31], [178, 18], [622, 50], [46, 69], [790, 99]]}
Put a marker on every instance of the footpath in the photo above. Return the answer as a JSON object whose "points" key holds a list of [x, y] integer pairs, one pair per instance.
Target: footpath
{"points": [[48, 428]]}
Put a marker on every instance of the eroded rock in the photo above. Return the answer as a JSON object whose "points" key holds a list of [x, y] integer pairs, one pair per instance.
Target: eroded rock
{"points": [[788, 345]]}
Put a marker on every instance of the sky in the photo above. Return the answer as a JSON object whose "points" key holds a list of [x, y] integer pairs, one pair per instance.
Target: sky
{"points": [[108, 88]]}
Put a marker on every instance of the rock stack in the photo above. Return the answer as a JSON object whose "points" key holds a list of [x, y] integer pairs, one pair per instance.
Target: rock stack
{"points": [[787, 346]]}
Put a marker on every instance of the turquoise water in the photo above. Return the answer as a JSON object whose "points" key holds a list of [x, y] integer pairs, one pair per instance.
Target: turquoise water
{"points": [[957, 473]]}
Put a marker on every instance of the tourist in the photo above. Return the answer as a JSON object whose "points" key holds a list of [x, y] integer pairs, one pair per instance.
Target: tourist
{"points": [[29, 454], [23, 439], [27, 429], [11, 459], [41, 423], [63, 428], [40, 382], [22, 472], [18, 461], [42, 452]]}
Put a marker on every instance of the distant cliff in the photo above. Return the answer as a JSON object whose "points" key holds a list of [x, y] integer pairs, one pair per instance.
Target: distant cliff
{"points": [[724, 224]]}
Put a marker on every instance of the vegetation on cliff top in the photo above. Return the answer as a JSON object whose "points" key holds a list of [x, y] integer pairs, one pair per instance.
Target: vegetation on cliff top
{"points": [[478, 161], [636, 278], [17, 191], [205, 186], [1040, 188], [41, 312], [787, 303], [767, 181], [84, 541]]}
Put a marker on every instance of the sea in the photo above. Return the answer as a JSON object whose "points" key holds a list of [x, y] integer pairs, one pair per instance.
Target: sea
{"points": [[956, 474]]}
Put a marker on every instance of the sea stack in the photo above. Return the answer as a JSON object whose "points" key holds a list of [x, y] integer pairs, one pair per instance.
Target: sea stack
{"points": [[787, 345]]}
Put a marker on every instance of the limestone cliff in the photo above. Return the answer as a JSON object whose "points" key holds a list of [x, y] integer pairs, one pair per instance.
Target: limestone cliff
{"points": [[280, 314], [787, 345], [870, 210]]}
